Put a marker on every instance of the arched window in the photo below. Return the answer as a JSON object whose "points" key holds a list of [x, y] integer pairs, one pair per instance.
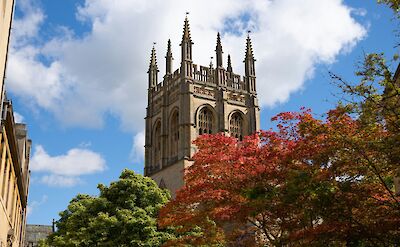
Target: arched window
{"points": [[157, 144], [174, 134], [236, 126], [205, 121]]}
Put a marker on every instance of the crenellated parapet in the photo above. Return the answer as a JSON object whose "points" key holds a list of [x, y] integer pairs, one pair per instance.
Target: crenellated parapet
{"points": [[189, 72], [206, 76]]}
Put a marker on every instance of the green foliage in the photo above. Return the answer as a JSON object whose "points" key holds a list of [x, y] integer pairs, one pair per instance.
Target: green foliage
{"points": [[393, 4], [124, 214]]}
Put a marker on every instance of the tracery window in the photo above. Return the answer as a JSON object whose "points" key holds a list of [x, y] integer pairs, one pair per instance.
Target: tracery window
{"points": [[174, 134], [157, 144], [205, 121], [236, 126]]}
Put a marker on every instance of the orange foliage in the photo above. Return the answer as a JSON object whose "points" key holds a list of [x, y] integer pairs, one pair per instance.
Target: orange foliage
{"points": [[311, 181]]}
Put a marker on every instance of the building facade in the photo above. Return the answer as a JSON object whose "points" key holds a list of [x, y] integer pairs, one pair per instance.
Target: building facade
{"points": [[191, 101], [14, 151], [6, 14], [14, 178], [35, 233]]}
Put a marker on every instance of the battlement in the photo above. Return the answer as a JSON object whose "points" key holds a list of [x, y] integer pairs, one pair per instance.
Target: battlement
{"points": [[204, 76], [209, 76]]}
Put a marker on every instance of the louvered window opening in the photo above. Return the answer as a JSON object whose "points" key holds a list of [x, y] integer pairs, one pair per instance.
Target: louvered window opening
{"points": [[205, 121], [157, 144], [174, 134], [236, 126]]}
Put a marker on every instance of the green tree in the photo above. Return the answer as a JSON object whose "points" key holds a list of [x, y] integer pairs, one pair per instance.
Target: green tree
{"points": [[124, 214], [375, 100], [394, 4]]}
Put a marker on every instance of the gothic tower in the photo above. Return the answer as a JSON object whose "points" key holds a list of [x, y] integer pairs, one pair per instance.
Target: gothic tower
{"points": [[191, 101]]}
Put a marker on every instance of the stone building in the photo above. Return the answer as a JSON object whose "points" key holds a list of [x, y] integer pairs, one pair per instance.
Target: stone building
{"points": [[35, 233], [6, 14], [14, 178], [191, 101], [14, 151]]}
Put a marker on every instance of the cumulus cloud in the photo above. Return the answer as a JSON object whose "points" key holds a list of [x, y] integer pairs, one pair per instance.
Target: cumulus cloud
{"points": [[64, 170], [18, 117], [35, 204], [137, 152], [104, 72], [60, 181]]}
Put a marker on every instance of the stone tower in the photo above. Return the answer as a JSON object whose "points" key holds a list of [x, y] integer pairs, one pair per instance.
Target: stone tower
{"points": [[191, 101]]}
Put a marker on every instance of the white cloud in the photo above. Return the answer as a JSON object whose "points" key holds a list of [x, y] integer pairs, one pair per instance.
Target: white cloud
{"points": [[34, 204], [18, 117], [60, 181], [104, 72], [75, 162], [64, 170], [137, 152], [29, 26]]}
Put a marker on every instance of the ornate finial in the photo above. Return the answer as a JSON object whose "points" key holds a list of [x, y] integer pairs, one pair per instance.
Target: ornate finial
{"points": [[186, 30], [229, 68], [211, 64], [169, 58], [219, 46], [249, 47], [169, 51], [153, 69], [153, 59], [219, 51]]}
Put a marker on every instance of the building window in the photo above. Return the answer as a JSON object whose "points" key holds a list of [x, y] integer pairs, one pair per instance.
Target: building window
{"points": [[205, 122], [236, 126], [157, 144], [174, 134]]}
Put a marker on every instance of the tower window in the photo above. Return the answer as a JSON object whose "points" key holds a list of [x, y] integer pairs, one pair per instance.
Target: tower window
{"points": [[236, 126], [157, 144], [205, 122], [174, 134]]}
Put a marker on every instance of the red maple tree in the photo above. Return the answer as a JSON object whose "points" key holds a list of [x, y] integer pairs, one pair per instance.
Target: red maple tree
{"points": [[310, 182]]}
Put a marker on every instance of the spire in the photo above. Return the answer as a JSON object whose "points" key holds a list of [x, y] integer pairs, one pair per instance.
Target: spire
{"points": [[153, 69], [229, 68], [186, 31], [249, 49], [169, 59], [219, 51], [249, 68], [169, 51], [186, 51], [153, 60]]}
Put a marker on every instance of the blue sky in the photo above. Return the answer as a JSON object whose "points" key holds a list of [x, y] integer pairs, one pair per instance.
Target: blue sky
{"points": [[77, 73]]}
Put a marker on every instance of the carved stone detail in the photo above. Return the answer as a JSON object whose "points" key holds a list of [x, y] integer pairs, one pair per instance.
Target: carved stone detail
{"points": [[204, 91], [237, 97]]}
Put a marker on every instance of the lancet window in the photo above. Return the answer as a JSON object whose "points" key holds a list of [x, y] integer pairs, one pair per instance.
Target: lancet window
{"points": [[205, 121], [174, 134], [157, 144], [236, 126]]}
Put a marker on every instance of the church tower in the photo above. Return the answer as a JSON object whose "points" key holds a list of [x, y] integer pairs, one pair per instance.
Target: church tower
{"points": [[191, 101]]}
